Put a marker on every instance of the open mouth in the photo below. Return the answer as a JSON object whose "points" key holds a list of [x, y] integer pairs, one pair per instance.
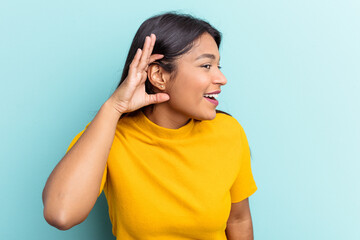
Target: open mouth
{"points": [[212, 98]]}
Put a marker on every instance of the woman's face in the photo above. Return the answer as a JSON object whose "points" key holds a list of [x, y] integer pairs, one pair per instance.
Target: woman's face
{"points": [[198, 73]]}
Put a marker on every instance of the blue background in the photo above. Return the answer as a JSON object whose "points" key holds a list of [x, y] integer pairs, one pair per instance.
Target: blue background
{"points": [[293, 83]]}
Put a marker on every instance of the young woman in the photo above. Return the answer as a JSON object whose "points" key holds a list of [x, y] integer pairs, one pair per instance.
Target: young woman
{"points": [[171, 165]]}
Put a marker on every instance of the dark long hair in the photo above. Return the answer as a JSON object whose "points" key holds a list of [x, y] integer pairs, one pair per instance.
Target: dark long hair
{"points": [[175, 36]]}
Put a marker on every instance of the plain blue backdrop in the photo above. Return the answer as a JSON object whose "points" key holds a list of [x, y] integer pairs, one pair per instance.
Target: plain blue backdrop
{"points": [[293, 84]]}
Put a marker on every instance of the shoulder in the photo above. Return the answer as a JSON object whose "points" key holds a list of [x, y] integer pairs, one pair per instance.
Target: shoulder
{"points": [[224, 125], [229, 128], [228, 122]]}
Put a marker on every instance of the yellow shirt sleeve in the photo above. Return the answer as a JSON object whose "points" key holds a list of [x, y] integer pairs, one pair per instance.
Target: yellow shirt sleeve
{"points": [[105, 170], [244, 185]]}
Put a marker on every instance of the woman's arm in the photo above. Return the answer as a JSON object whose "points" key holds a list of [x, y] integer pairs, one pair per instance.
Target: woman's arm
{"points": [[73, 186], [239, 224]]}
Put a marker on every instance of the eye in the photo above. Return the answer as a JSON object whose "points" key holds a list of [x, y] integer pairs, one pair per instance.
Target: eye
{"points": [[207, 66]]}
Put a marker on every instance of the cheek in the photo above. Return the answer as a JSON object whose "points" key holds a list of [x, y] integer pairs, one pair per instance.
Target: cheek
{"points": [[186, 97], [189, 89], [192, 92]]}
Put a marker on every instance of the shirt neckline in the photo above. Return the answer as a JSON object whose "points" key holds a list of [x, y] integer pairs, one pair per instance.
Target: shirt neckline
{"points": [[152, 128]]}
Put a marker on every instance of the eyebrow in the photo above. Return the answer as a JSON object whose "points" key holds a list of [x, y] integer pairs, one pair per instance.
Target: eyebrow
{"points": [[206, 55]]}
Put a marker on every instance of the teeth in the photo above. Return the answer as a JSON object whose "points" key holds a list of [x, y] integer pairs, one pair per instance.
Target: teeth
{"points": [[211, 95]]}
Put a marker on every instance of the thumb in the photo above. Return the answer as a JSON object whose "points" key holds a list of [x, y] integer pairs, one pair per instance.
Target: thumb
{"points": [[158, 98]]}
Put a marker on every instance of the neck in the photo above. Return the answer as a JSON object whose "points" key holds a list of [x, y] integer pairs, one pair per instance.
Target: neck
{"points": [[166, 117]]}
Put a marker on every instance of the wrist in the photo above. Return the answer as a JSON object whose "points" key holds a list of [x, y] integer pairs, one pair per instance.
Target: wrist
{"points": [[108, 107]]}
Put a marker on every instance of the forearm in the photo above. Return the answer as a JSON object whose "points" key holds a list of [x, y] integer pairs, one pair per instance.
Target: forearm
{"points": [[72, 188], [240, 230]]}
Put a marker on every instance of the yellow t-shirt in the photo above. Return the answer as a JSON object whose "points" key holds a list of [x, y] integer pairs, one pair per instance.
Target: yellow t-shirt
{"points": [[168, 184]]}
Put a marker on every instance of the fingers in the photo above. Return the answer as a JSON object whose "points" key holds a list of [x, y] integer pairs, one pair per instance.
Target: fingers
{"points": [[155, 57], [148, 47], [144, 57], [158, 98], [135, 62]]}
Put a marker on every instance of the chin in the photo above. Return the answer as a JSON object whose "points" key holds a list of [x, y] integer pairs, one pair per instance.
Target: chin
{"points": [[213, 116], [208, 116]]}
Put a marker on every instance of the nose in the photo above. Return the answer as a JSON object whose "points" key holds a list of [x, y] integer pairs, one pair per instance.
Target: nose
{"points": [[220, 78]]}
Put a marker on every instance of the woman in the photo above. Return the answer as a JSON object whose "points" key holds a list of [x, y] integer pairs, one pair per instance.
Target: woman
{"points": [[171, 165]]}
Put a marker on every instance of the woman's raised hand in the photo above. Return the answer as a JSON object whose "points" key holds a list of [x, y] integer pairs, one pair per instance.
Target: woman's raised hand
{"points": [[131, 94]]}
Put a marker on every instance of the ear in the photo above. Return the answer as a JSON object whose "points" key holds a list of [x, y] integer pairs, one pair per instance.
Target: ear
{"points": [[157, 76]]}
